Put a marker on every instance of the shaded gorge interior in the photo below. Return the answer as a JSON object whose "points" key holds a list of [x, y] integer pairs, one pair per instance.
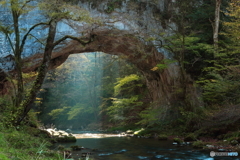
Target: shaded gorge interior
{"points": [[82, 93]]}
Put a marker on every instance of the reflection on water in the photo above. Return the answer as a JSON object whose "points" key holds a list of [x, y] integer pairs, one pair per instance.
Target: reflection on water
{"points": [[118, 147]]}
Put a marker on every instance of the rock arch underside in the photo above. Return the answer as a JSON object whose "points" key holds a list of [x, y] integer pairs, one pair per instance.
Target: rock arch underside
{"points": [[162, 84]]}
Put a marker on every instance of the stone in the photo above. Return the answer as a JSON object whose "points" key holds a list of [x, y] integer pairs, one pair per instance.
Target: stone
{"points": [[209, 146]]}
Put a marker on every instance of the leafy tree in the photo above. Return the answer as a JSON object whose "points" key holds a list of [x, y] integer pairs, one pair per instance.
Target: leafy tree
{"points": [[126, 103], [232, 27], [54, 12], [221, 82]]}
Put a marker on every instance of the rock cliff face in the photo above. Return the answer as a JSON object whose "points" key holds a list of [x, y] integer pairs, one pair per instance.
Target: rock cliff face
{"points": [[149, 16], [126, 26]]}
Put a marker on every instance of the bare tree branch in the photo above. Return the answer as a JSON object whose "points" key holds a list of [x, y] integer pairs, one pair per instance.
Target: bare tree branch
{"points": [[11, 44], [27, 34], [76, 39], [24, 5], [38, 40]]}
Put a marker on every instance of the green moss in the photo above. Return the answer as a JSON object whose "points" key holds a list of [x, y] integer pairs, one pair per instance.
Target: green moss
{"points": [[178, 140], [198, 144], [162, 137]]}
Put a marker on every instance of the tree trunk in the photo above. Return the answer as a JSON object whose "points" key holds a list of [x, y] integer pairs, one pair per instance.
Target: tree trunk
{"points": [[17, 55], [216, 26], [26, 105]]}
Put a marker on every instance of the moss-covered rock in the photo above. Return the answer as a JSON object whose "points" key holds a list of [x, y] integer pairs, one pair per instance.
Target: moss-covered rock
{"points": [[162, 137], [76, 148], [177, 140], [198, 144], [66, 139]]}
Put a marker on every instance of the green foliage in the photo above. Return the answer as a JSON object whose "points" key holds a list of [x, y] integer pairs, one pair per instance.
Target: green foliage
{"points": [[162, 137], [66, 139], [111, 5], [201, 14], [24, 143], [189, 52], [190, 45], [57, 112], [3, 157], [122, 84], [235, 134], [75, 111], [178, 140], [220, 83], [124, 102], [80, 84], [8, 113], [17, 37], [232, 25], [190, 120], [221, 91], [56, 10], [198, 144], [163, 64], [122, 107], [149, 116], [116, 111]]}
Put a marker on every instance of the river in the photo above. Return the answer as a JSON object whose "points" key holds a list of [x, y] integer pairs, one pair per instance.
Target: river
{"points": [[116, 147]]}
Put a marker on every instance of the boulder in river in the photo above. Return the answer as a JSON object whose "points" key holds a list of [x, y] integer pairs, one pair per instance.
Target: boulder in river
{"points": [[61, 136]]}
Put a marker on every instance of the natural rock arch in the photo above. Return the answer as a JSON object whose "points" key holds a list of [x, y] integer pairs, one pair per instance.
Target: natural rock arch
{"points": [[162, 84]]}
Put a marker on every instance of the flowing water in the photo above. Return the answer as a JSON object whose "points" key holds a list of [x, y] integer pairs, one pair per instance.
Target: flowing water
{"points": [[116, 147]]}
